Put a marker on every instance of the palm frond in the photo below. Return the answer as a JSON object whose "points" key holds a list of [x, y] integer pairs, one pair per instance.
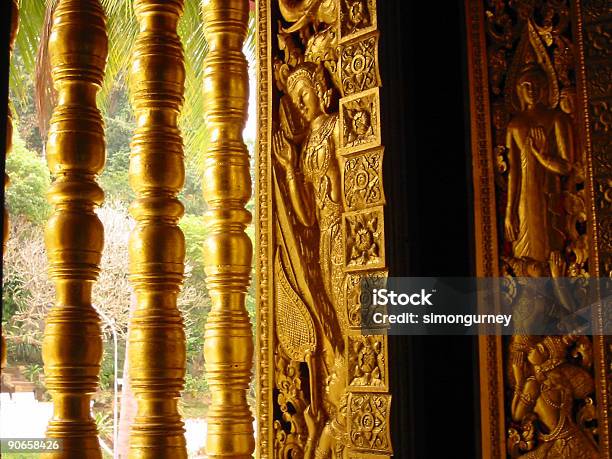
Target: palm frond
{"points": [[33, 39]]}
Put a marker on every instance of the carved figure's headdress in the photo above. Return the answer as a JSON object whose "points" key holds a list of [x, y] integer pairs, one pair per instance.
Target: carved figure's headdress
{"points": [[555, 349], [315, 75], [531, 60]]}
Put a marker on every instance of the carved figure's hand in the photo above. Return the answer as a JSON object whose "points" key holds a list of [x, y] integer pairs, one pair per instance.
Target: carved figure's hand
{"points": [[312, 421], [519, 370], [510, 225], [557, 264], [536, 139], [284, 151]]}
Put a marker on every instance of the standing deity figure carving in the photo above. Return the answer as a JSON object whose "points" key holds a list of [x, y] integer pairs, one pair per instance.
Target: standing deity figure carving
{"points": [[540, 147], [314, 183], [313, 187]]}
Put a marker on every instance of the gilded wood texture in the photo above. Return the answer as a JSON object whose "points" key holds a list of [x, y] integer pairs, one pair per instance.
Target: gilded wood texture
{"points": [[228, 346], [9, 146], [74, 236], [595, 67], [532, 176], [323, 387], [157, 245]]}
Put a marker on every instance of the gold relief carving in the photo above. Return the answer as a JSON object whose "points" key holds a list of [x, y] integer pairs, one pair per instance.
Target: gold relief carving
{"points": [[599, 83], [364, 239], [601, 115], [530, 115], [157, 245], [595, 10], [367, 366], [362, 179], [554, 391], [360, 121], [359, 64], [357, 17], [359, 303], [369, 416], [598, 39], [358, 455], [74, 236], [305, 174]]}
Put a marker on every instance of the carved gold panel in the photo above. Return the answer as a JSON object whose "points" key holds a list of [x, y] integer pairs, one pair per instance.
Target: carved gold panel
{"points": [[368, 368], [359, 64], [357, 17], [362, 178], [322, 385], [368, 420], [358, 302], [364, 241], [542, 165], [359, 121]]}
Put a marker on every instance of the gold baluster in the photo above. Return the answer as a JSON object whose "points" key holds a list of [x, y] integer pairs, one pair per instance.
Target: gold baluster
{"points": [[74, 236], [157, 245], [228, 346], [9, 147]]}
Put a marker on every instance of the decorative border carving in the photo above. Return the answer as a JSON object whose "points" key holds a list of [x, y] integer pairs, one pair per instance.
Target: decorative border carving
{"points": [[593, 35], [263, 236]]}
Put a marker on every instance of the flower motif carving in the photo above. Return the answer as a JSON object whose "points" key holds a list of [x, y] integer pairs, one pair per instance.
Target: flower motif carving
{"points": [[360, 121], [364, 236], [357, 17], [367, 365]]}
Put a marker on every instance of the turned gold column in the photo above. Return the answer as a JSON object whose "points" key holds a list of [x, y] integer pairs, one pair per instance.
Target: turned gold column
{"points": [[228, 346], [157, 245], [9, 147], [74, 236]]}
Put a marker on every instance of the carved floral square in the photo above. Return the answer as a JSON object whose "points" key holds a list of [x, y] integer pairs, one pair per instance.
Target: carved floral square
{"points": [[362, 180], [369, 421], [360, 121], [364, 239], [359, 65], [356, 17], [367, 367], [359, 304]]}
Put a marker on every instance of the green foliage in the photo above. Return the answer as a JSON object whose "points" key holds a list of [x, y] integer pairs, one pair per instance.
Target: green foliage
{"points": [[196, 385], [30, 180], [104, 423], [33, 372], [13, 294]]}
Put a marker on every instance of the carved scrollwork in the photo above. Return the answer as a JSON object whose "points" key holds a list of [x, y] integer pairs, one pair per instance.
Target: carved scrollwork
{"points": [[369, 418], [359, 65], [362, 176]]}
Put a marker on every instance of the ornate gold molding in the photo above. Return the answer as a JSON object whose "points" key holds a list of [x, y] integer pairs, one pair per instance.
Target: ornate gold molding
{"points": [[532, 162], [9, 146], [228, 347], [322, 386], [157, 245], [72, 346]]}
